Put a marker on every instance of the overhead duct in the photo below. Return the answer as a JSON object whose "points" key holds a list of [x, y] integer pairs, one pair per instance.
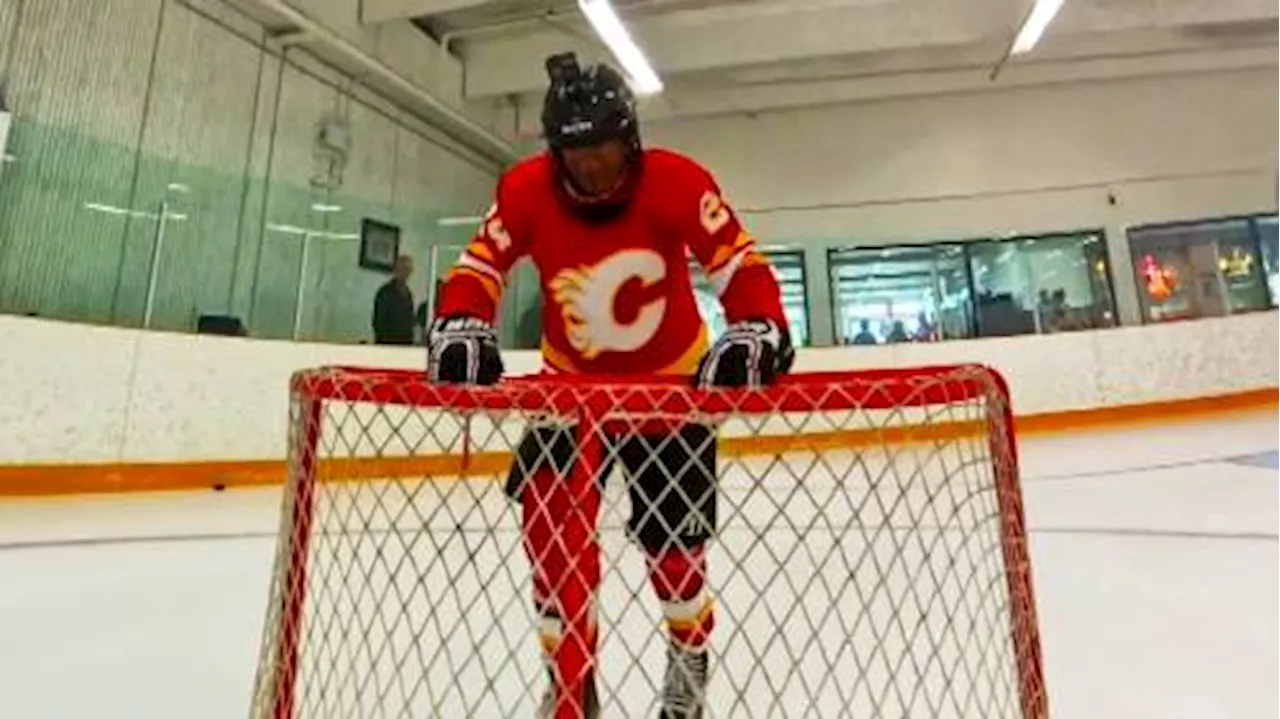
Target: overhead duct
{"points": [[301, 30], [1232, 33]]}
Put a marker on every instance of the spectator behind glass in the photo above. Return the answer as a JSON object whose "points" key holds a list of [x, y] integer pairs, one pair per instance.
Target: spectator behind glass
{"points": [[393, 306], [426, 315], [925, 331], [864, 336]]}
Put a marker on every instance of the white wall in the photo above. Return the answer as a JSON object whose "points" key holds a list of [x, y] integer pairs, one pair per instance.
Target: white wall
{"points": [[78, 394], [409, 52], [1099, 155]]}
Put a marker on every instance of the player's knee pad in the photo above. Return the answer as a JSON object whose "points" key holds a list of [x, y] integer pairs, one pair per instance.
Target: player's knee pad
{"points": [[679, 579], [545, 448], [671, 480]]}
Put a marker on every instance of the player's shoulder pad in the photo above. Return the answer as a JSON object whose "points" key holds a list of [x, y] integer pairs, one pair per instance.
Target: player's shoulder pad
{"points": [[681, 178], [532, 174], [674, 164]]}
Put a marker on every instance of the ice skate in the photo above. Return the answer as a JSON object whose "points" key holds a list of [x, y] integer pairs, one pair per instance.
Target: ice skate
{"points": [[590, 701], [684, 690]]}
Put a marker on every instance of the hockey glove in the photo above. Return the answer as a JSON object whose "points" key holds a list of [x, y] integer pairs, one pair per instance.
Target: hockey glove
{"points": [[463, 350], [753, 353]]}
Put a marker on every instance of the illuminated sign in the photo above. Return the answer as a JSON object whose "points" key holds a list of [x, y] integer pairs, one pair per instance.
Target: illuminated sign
{"points": [[1161, 280], [1238, 264]]}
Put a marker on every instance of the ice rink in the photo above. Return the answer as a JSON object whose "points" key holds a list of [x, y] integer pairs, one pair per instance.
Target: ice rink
{"points": [[1154, 552]]}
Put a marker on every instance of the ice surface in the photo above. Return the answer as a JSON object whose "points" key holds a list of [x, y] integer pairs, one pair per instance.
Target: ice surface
{"points": [[1155, 557]]}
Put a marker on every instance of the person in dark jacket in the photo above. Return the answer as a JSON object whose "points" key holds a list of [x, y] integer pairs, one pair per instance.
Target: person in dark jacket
{"points": [[393, 306], [425, 315]]}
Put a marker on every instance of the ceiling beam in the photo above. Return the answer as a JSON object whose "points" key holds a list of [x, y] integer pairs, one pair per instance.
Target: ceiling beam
{"points": [[700, 41], [688, 102], [696, 41], [379, 11], [292, 27], [692, 99]]}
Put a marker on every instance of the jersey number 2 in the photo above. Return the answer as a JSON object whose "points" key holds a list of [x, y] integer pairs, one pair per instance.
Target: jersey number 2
{"points": [[713, 212]]}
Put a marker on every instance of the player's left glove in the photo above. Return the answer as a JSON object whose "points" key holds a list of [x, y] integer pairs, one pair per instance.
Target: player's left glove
{"points": [[753, 353]]}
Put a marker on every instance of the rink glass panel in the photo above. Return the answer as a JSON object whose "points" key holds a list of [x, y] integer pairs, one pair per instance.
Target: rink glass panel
{"points": [[870, 559]]}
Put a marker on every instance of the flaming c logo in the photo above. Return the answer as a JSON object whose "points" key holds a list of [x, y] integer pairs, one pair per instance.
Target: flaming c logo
{"points": [[587, 296]]}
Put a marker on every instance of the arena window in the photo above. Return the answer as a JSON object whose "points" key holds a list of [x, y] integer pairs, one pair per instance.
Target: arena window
{"points": [[888, 294], [789, 264], [1052, 283], [1269, 244], [1206, 268], [984, 288]]}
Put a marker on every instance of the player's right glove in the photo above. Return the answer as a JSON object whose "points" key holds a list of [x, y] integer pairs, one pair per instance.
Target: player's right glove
{"points": [[463, 350], [749, 354]]}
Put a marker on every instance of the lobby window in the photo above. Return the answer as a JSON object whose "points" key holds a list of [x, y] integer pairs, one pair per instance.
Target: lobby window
{"points": [[1269, 246], [795, 299], [900, 294], [789, 267], [1209, 268], [987, 288], [1038, 285]]}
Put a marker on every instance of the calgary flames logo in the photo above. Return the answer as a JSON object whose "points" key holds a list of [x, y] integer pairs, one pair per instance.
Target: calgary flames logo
{"points": [[587, 297]]}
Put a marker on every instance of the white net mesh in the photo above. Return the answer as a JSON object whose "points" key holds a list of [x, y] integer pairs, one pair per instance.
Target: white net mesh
{"points": [[868, 557]]}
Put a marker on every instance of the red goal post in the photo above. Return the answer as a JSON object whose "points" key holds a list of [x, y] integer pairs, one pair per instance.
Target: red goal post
{"points": [[871, 558]]}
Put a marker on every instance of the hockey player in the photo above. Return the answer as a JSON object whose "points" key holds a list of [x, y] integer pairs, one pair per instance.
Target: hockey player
{"points": [[608, 225]]}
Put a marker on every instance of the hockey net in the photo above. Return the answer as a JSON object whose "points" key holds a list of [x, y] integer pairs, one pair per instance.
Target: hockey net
{"points": [[870, 557]]}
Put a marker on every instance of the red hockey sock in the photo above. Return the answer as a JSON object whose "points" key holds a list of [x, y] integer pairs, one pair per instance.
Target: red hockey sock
{"points": [[679, 578], [557, 574]]}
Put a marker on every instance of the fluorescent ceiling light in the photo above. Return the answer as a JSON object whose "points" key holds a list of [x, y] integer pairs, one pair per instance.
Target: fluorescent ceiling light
{"points": [[288, 229], [321, 207], [644, 81], [305, 232], [458, 221], [109, 209], [113, 210], [1042, 13]]}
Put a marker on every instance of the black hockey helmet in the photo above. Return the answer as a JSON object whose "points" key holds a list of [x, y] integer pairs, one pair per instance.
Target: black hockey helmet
{"points": [[587, 105]]}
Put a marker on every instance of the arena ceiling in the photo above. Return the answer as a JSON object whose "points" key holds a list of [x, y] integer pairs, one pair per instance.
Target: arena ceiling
{"points": [[717, 55]]}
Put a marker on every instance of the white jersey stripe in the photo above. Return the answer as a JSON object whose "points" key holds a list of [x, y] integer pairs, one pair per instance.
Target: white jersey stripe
{"points": [[721, 278], [470, 261]]}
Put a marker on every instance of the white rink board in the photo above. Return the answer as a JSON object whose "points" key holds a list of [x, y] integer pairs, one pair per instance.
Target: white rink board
{"points": [[101, 394]]}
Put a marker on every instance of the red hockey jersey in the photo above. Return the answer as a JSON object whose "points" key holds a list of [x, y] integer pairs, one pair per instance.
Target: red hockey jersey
{"points": [[618, 297]]}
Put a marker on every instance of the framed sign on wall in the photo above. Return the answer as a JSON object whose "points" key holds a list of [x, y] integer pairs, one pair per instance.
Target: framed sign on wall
{"points": [[379, 245]]}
